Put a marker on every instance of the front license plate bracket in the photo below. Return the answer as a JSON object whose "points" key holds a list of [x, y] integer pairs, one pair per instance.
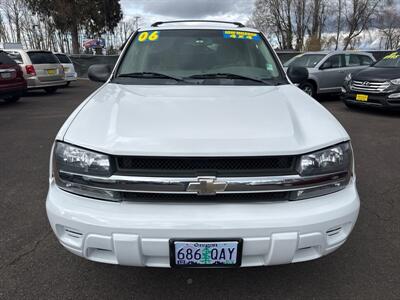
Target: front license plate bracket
{"points": [[216, 246]]}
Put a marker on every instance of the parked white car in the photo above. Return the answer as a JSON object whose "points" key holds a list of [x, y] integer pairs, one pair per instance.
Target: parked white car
{"points": [[198, 151], [41, 69], [69, 69]]}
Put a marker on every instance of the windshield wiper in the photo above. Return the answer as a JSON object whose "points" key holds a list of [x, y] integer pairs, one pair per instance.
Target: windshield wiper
{"points": [[150, 75], [227, 76]]}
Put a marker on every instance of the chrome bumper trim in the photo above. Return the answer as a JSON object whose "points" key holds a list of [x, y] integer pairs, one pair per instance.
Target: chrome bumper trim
{"points": [[232, 185]]}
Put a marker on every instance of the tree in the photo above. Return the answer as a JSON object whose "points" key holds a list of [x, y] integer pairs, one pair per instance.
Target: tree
{"points": [[389, 24], [70, 15], [275, 16], [358, 15]]}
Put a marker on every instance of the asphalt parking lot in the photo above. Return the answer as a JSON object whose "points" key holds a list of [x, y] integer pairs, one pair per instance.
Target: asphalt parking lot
{"points": [[34, 266]]}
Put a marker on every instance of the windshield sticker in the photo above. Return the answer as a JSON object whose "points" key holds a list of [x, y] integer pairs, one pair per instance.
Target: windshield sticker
{"points": [[241, 35], [394, 55], [148, 36]]}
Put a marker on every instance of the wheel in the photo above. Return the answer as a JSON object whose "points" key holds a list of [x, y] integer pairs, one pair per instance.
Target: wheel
{"points": [[68, 83], [12, 99], [50, 90], [308, 88]]}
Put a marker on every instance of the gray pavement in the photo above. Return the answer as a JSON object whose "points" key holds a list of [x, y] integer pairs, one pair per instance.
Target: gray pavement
{"points": [[34, 266]]}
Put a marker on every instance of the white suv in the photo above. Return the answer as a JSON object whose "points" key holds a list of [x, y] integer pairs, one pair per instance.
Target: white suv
{"points": [[198, 151]]}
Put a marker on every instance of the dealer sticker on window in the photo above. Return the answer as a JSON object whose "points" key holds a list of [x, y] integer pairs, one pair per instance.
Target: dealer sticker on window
{"points": [[200, 254], [242, 35]]}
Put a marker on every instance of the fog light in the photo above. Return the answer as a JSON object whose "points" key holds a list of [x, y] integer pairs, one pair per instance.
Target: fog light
{"points": [[394, 96]]}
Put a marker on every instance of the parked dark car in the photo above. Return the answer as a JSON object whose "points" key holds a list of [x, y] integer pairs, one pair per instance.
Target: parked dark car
{"points": [[376, 86], [12, 82]]}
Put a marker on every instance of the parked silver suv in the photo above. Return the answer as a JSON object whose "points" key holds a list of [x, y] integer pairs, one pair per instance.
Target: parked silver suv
{"points": [[42, 69], [327, 70]]}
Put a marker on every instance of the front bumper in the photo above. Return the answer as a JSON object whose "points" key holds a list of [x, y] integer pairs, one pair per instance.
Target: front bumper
{"points": [[138, 234], [380, 100]]}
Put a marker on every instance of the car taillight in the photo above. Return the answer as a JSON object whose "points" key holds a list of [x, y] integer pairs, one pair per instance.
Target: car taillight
{"points": [[30, 70]]}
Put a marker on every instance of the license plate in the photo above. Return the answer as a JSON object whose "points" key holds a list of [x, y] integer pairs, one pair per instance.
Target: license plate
{"points": [[206, 253], [5, 75], [52, 72], [361, 97]]}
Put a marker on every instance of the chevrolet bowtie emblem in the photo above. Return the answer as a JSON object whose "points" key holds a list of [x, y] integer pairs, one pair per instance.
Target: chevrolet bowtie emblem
{"points": [[206, 186]]}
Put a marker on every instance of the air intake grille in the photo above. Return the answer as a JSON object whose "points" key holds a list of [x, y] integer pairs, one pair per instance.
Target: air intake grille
{"points": [[369, 86], [195, 166], [182, 198]]}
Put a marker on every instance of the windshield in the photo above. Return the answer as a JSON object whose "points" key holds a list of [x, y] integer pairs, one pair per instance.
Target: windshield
{"points": [[305, 60], [390, 61], [199, 56]]}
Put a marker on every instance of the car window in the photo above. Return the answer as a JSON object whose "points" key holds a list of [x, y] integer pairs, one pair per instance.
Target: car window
{"points": [[42, 57], [353, 60], [335, 61], [5, 59], [305, 60], [64, 59], [366, 60], [15, 56], [185, 53], [389, 61]]}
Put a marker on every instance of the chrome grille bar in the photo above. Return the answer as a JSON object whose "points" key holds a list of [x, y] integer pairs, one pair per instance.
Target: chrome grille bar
{"points": [[367, 86]]}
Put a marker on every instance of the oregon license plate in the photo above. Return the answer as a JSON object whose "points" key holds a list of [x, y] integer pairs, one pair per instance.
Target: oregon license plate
{"points": [[361, 97], [51, 71], [206, 253]]}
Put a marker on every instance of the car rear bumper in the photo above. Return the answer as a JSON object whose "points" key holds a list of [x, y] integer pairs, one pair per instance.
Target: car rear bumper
{"points": [[138, 234], [13, 89], [374, 100], [71, 76], [35, 83]]}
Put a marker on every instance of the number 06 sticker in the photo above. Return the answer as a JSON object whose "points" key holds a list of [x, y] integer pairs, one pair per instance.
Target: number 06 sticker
{"points": [[148, 36]]}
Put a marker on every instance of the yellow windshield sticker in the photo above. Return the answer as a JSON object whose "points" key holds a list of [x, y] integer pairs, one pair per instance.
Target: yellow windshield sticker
{"points": [[242, 35], [148, 36], [394, 55]]}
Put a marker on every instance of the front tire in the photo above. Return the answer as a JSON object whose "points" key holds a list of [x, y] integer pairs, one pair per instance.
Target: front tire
{"points": [[50, 90], [308, 88]]}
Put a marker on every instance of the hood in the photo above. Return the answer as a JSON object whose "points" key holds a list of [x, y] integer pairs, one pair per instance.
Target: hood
{"points": [[202, 121], [377, 74]]}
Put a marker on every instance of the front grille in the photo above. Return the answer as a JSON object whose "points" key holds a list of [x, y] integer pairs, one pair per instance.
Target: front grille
{"points": [[369, 86], [224, 198], [202, 166]]}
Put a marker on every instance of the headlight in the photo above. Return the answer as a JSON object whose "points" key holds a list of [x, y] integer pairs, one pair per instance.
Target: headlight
{"points": [[395, 81], [331, 169], [72, 159], [70, 166], [348, 77], [328, 161]]}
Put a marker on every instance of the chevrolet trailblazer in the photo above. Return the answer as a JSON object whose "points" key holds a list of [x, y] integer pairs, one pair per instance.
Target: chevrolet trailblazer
{"points": [[199, 151]]}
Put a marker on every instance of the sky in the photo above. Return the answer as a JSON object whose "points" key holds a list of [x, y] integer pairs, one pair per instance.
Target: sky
{"points": [[163, 10]]}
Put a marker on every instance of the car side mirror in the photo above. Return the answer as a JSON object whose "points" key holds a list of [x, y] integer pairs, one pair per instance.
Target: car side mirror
{"points": [[297, 74], [326, 65], [100, 73]]}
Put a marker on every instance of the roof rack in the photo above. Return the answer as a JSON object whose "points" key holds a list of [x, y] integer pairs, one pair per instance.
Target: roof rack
{"points": [[156, 24]]}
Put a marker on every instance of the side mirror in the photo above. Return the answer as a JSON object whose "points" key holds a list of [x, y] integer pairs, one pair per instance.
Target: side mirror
{"points": [[297, 74], [326, 65], [100, 73]]}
